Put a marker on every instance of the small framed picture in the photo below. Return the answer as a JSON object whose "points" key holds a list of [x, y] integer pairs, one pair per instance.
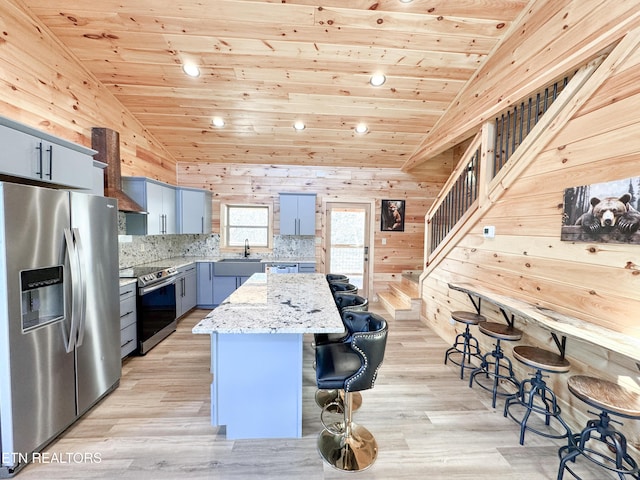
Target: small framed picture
{"points": [[392, 215]]}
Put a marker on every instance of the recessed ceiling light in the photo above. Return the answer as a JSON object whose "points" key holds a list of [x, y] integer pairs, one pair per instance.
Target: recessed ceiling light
{"points": [[218, 121], [377, 79], [406, 1], [191, 69], [299, 125], [361, 128]]}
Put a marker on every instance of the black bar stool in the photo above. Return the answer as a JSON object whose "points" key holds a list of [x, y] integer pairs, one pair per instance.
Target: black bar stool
{"points": [[336, 277], [350, 303], [343, 287], [351, 367], [534, 394], [495, 364], [465, 345], [609, 398]]}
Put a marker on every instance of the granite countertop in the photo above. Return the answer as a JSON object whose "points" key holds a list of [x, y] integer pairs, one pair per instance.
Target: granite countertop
{"points": [[276, 303], [127, 281]]}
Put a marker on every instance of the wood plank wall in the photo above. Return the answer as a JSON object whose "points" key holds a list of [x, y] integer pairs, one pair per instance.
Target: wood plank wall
{"points": [[43, 85], [551, 37], [239, 183], [595, 282]]}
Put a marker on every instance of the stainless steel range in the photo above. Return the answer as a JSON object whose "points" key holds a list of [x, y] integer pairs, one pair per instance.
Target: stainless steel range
{"points": [[156, 304]]}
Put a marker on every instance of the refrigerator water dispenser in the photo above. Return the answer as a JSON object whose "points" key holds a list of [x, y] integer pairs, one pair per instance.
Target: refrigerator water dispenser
{"points": [[42, 296]]}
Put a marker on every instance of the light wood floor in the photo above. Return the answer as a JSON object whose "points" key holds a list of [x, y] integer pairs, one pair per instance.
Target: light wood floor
{"points": [[428, 424]]}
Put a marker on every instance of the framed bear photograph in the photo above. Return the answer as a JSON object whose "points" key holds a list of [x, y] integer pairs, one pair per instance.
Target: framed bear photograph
{"points": [[602, 212]]}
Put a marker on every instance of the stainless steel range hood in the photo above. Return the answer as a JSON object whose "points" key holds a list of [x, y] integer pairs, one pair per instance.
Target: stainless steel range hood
{"points": [[107, 144]]}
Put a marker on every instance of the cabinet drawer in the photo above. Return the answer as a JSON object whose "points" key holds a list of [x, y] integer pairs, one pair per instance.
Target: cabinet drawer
{"points": [[127, 312], [128, 291], [128, 338]]}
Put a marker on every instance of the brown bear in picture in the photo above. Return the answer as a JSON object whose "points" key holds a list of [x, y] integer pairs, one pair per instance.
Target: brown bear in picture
{"points": [[609, 213]]}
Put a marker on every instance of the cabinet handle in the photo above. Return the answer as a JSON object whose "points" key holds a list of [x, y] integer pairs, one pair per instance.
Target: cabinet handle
{"points": [[128, 292], [126, 314], [126, 343], [50, 174], [39, 148], [210, 271]]}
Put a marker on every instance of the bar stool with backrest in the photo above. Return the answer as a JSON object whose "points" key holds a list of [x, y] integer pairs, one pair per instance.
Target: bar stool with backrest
{"points": [[342, 287], [352, 367], [352, 324], [465, 345], [345, 302], [495, 364], [336, 277], [535, 395], [600, 442]]}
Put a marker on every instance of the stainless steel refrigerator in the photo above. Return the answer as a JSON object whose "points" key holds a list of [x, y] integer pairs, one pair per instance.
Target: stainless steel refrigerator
{"points": [[59, 313]]}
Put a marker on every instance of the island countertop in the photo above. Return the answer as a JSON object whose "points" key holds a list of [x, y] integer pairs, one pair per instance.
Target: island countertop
{"points": [[276, 303]]}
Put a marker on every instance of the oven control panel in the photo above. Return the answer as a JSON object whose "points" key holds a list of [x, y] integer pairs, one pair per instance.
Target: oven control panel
{"points": [[151, 278]]}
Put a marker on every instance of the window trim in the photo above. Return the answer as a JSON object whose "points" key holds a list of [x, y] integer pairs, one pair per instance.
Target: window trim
{"points": [[224, 231]]}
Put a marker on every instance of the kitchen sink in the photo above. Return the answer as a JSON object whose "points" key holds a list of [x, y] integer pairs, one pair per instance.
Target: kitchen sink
{"points": [[237, 267], [241, 260]]}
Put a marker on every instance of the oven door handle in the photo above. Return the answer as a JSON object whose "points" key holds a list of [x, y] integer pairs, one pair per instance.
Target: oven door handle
{"points": [[157, 286]]}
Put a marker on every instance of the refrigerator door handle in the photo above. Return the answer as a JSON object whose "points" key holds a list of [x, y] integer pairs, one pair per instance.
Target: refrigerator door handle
{"points": [[70, 342], [83, 287]]}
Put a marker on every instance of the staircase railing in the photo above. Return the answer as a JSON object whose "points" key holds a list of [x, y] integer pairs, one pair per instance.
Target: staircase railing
{"points": [[491, 149]]}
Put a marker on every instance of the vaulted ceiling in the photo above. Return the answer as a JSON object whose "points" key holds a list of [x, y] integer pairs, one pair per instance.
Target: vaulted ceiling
{"points": [[265, 64]]}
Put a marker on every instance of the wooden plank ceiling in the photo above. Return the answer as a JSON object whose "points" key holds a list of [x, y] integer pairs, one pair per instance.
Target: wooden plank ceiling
{"points": [[266, 64]]}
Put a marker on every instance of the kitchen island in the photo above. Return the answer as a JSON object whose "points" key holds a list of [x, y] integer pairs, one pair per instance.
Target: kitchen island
{"points": [[256, 352]]}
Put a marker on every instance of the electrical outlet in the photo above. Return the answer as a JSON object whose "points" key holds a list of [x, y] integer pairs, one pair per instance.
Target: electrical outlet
{"points": [[384, 241], [142, 247]]}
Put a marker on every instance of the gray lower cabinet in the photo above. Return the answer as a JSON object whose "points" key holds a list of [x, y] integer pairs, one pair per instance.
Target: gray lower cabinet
{"points": [[225, 286], [186, 289], [204, 297], [306, 267], [128, 333]]}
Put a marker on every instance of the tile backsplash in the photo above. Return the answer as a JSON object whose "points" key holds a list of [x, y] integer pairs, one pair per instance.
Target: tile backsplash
{"points": [[138, 249]]}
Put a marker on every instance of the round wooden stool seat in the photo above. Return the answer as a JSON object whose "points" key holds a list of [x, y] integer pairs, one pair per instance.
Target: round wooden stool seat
{"points": [[501, 331], [605, 395], [468, 318], [541, 359], [608, 397]]}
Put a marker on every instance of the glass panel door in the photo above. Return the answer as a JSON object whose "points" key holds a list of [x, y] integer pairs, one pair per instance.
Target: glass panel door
{"points": [[348, 239]]}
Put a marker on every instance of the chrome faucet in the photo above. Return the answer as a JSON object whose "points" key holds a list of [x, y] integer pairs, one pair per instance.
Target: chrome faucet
{"points": [[246, 247]]}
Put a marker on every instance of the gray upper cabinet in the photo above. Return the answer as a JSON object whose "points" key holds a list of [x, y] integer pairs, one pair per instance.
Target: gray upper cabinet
{"points": [[297, 214], [194, 210], [33, 155], [158, 199]]}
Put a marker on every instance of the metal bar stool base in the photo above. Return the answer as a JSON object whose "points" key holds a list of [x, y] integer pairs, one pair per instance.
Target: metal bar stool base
{"points": [[352, 453], [534, 394], [464, 348], [325, 397], [493, 369], [612, 456]]}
